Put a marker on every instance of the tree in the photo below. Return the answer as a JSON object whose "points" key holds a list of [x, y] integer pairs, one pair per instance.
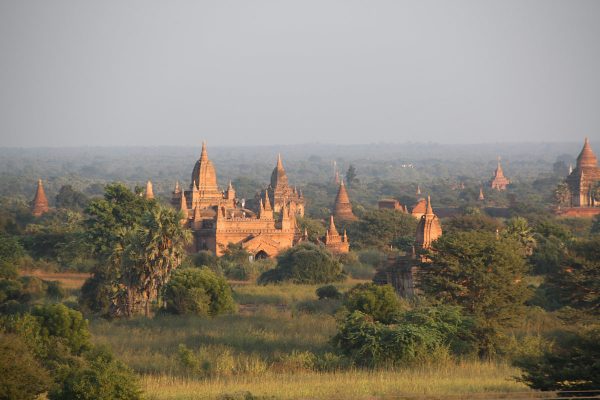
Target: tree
{"points": [[152, 251], [22, 377], [305, 263], [198, 291], [10, 249], [328, 292], [571, 365], [67, 197], [351, 176], [518, 229], [381, 228], [482, 273], [472, 222], [100, 377], [576, 283], [378, 301]]}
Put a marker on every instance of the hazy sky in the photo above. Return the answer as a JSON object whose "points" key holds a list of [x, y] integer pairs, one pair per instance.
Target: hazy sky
{"points": [[283, 72]]}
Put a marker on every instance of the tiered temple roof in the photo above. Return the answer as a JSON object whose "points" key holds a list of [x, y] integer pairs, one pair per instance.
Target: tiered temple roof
{"points": [[335, 242], [499, 181]]}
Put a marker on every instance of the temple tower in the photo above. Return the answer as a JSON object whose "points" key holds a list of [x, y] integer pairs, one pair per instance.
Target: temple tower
{"points": [[499, 181], [39, 205], [342, 209], [428, 229], [149, 192], [281, 193], [584, 178], [334, 241], [481, 196]]}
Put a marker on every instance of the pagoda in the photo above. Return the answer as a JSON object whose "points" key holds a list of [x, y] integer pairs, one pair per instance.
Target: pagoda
{"points": [[582, 183], [342, 208], [39, 205], [335, 242], [499, 181]]}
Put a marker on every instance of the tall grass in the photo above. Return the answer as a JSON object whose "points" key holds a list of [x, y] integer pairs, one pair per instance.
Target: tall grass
{"points": [[463, 379]]}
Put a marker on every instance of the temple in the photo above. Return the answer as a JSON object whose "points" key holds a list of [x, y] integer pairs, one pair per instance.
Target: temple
{"points": [[499, 181], [342, 208], [583, 196], [281, 194], [401, 271], [149, 194], [218, 219], [335, 242], [39, 205]]}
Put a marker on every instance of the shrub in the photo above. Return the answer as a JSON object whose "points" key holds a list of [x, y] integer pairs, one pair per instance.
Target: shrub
{"points": [[198, 291], [61, 322], [8, 270], [21, 375], [422, 335], [328, 292], [379, 302], [100, 378], [304, 264], [573, 365]]}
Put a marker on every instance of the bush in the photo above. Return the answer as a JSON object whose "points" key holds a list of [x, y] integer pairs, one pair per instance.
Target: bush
{"points": [[198, 291], [422, 335], [61, 322], [100, 378], [21, 375], [304, 264], [328, 292], [573, 365], [379, 302]]}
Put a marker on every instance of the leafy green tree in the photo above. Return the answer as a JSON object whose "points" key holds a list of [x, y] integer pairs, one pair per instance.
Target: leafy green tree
{"points": [[198, 291], [481, 273], [22, 377], [380, 228], [11, 250], [518, 229], [472, 222], [571, 365], [305, 263], [57, 320], [100, 377], [576, 283], [67, 197], [351, 176], [380, 302]]}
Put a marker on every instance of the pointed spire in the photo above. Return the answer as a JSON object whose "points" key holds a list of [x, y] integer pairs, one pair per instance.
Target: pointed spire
{"points": [[149, 192], [499, 172], [587, 158], [267, 201], [40, 201], [332, 231], [342, 208], [345, 236], [418, 190], [183, 203], [429, 208], [204, 153], [177, 189], [278, 176], [197, 215], [481, 196]]}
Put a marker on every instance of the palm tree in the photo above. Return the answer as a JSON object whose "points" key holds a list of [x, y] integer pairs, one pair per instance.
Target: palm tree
{"points": [[153, 250], [518, 229]]}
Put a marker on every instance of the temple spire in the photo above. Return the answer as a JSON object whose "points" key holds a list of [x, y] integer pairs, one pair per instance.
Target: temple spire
{"points": [[429, 208], [332, 231], [40, 201], [481, 196], [203, 153], [342, 208], [149, 191], [268, 206], [418, 190], [587, 158]]}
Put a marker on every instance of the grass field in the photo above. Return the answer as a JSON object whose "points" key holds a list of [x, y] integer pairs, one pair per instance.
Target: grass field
{"points": [[275, 353]]}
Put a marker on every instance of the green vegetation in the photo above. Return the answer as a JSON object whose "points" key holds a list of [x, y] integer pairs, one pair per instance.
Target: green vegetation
{"points": [[305, 263], [198, 291], [381, 303]]}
